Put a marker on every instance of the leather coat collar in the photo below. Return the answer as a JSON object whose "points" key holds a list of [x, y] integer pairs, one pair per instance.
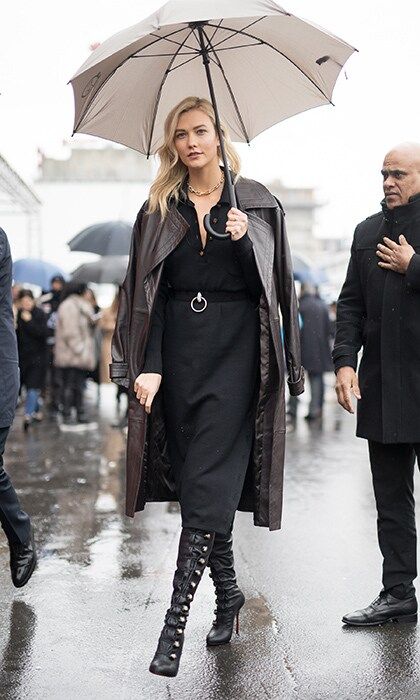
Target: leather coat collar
{"points": [[170, 231]]}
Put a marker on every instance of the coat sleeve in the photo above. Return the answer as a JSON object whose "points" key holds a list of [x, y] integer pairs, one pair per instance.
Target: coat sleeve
{"points": [[350, 314], [413, 272], [118, 369], [288, 306], [153, 355]]}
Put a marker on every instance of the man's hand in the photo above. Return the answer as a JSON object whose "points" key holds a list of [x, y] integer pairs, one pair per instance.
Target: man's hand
{"points": [[146, 387], [347, 384], [395, 257]]}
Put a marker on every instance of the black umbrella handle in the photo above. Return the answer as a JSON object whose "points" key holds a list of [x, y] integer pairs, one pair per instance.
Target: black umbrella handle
{"points": [[210, 230], [232, 196]]}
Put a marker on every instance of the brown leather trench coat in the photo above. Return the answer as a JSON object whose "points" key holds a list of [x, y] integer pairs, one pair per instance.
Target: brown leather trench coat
{"points": [[148, 466]]}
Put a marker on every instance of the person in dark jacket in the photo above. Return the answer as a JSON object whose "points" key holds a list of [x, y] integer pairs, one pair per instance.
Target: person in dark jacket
{"points": [[49, 303], [315, 335], [14, 521], [379, 310], [32, 332], [207, 414]]}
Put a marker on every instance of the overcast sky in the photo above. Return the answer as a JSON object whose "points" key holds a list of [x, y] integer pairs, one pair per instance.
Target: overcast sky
{"points": [[338, 149]]}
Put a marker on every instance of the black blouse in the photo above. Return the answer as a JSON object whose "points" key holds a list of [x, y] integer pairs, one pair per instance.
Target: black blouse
{"points": [[221, 265]]}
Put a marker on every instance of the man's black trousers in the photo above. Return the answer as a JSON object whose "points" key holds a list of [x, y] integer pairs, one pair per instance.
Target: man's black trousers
{"points": [[393, 482], [14, 521]]}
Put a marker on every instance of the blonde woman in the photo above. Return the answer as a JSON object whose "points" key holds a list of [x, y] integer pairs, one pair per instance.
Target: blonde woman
{"points": [[197, 343]]}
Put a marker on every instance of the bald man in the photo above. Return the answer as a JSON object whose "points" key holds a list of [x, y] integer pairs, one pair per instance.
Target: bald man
{"points": [[379, 310]]}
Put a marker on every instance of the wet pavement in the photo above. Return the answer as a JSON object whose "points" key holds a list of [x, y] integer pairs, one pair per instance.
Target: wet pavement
{"points": [[87, 624]]}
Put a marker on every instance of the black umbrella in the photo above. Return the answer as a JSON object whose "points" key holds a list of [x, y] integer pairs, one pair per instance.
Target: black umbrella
{"points": [[108, 270], [108, 238]]}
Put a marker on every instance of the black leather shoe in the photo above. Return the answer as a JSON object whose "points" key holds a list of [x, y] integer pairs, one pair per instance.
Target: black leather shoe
{"points": [[22, 562], [229, 598], [194, 550], [385, 608]]}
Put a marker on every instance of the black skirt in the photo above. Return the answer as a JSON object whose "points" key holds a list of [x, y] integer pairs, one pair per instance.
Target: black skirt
{"points": [[210, 367]]}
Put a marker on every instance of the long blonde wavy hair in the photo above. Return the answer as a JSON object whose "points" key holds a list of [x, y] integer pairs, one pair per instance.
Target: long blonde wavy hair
{"points": [[172, 171]]}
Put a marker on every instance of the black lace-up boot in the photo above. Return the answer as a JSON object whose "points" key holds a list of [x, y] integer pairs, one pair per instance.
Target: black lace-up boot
{"points": [[229, 598], [385, 608], [194, 550]]}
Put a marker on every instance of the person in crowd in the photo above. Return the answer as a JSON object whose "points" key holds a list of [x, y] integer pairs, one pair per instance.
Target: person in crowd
{"points": [[315, 338], [32, 332], [378, 310], [49, 303], [75, 347], [107, 326], [195, 313], [332, 311], [95, 375], [14, 521], [16, 288]]}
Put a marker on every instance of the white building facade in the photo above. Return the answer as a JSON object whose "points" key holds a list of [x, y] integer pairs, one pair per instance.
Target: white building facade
{"points": [[93, 184]]}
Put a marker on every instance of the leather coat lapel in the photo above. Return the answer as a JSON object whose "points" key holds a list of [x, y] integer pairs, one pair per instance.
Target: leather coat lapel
{"points": [[169, 233], [262, 239], [252, 195]]}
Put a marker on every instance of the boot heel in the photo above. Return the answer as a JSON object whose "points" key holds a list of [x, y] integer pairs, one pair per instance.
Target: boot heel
{"points": [[406, 618], [237, 622]]}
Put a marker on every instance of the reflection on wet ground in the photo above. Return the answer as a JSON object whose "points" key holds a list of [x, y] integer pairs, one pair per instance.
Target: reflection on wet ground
{"points": [[87, 624]]}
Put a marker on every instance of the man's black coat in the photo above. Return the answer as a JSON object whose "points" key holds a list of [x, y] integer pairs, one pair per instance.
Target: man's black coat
{"points": [[9, 369], [315, 334], [379, 310]]}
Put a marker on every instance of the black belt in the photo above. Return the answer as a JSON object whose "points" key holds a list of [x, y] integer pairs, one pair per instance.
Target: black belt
{"points": [[187, 295], [198, 299]]}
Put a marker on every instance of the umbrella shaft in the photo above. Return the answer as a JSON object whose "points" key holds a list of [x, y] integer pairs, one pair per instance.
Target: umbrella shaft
{"points": [[206, 63]]}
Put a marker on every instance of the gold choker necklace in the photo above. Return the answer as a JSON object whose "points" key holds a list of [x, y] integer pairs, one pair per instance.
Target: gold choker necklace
{"points": [[201, 194]]}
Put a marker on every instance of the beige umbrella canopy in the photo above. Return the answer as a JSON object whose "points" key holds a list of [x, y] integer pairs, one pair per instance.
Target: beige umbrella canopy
{"points": [[266, 65], [263, 63]]}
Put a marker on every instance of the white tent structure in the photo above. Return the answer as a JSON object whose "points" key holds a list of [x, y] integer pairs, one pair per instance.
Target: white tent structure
{"points": [[17, 200]]}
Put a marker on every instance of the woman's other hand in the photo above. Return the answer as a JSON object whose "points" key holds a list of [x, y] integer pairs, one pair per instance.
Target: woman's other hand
{"points": [[146, 387], [237, 223]]}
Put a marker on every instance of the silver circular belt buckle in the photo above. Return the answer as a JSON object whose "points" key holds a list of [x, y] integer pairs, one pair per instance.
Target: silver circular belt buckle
{"points": [[200, 299]]}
